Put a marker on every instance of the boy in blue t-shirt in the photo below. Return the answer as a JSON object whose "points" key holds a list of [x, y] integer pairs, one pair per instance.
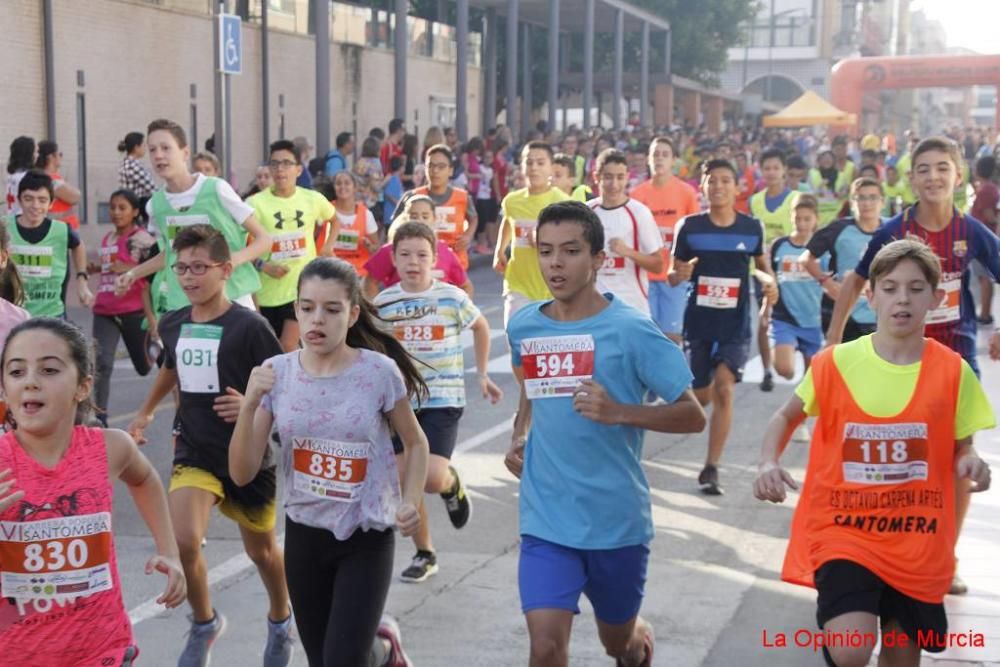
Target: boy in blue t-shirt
{"points": [[393, 190], [795, 319], [584, 362], [715, 251]]}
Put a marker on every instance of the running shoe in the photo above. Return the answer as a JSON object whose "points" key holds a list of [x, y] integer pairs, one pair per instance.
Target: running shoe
{"points": [[457, 502], [958, 586], [985, 321], [280, 644], [767, 384], [423, 565], [201, 637], [801, 434], [708, 479], [388, 629]]}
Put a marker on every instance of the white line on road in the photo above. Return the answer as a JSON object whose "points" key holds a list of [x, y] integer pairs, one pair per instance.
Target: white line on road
{"points": [[241, 562]]}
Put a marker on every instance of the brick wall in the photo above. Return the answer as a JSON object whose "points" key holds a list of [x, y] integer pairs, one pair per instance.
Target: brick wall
{"points": [[139, 63]]}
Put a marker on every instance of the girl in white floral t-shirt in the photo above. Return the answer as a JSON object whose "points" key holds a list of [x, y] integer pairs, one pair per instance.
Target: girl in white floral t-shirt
{"points": [[333, 403]]}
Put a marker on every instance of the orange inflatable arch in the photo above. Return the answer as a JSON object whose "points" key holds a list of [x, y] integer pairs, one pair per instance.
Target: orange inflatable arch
{"points": [[852, 77]]}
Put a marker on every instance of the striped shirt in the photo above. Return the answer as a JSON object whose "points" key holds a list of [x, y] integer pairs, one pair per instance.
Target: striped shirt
{"points": [[429, 325], [953, 322]]}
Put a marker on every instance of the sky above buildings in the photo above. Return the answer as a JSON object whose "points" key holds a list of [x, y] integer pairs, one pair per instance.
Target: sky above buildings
{"points": [[972, 24]]}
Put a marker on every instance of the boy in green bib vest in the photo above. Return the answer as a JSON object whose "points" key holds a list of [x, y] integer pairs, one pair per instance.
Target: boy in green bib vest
{"points": [[190, 199], [773, 207], [41, 248], [292, 216]]}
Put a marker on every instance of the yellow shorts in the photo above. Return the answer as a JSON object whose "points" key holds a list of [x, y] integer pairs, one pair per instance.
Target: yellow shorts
{"points": [[256, 519]]}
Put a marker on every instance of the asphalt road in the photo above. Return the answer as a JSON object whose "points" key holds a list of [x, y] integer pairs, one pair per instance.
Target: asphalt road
{"points": [[713, 586]]}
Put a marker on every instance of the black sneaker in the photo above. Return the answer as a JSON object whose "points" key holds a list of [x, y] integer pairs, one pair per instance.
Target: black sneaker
{"points": [[708, 479], [423, 565], [767, 384], [457, 502]]}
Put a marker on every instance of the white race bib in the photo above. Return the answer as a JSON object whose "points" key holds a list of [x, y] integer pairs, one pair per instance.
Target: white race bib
{"points": [[289, 245], [717, 292], [553, 366], [523, 231], [33, 261], [61, 556], [108, 254], [949, 308], [330, 469], [198, 358]]}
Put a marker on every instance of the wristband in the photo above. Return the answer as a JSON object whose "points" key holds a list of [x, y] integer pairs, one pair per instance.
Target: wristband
{"points": [[258, 264], [82, 274]]}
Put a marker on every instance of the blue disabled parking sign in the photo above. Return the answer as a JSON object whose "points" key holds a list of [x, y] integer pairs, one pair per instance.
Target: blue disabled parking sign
{"points": [[230, 44]]}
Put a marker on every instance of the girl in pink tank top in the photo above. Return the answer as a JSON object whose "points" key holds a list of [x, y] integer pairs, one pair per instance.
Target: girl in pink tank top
{"points": [[60, 595]]}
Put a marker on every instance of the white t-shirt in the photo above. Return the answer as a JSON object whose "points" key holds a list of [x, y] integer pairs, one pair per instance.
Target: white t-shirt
{"points": [[347, 220], [485, 179], [634, 224], [231, 201], [13, 180]]}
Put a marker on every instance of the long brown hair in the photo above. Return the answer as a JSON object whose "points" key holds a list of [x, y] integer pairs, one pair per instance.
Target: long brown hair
{"points": [[11, 287], [365, 333]]}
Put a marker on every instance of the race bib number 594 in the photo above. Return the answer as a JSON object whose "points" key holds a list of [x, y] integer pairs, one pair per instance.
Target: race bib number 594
{"points": [[553, 366], [55, 557]]}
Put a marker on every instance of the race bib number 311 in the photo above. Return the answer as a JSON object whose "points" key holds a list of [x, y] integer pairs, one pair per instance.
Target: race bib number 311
{"points": [[553, 366], [55, 557], [885, 453]]}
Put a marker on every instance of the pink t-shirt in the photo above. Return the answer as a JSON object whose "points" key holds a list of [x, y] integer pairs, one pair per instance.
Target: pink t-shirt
{"points": [[130, 248], [335, 446], [60, 594], [448, 267], [10, 317]]}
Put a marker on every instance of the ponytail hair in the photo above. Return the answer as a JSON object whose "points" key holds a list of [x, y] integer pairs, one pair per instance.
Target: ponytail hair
{"points": [[130, 142], [365, 333], [11, 287]]}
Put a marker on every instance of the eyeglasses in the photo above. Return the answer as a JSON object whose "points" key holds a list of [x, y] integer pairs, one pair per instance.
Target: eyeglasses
{"points": [[196, 269], [867, 199], [282, 164], [437, 166]]}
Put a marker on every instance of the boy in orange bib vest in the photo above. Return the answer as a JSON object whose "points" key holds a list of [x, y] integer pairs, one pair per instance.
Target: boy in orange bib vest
{"points": [[874, 529]]}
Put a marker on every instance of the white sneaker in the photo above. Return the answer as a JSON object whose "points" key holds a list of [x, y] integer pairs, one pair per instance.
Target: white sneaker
{"points": [[801, 434]]}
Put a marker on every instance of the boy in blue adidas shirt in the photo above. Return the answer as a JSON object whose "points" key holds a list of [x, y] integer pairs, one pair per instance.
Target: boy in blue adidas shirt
{"points": [[584, 361], [716, 251]]}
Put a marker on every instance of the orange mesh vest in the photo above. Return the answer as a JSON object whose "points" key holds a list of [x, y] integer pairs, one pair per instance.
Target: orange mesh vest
{"points": [[879, 491], [450, 222], [349, 244]]}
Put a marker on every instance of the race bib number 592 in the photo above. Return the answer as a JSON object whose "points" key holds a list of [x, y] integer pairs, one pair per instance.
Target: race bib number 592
{"points": [[553, 366]]}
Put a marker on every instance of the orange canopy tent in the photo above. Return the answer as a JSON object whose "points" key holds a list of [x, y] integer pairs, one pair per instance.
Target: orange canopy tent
{"points": [[810, 109]]}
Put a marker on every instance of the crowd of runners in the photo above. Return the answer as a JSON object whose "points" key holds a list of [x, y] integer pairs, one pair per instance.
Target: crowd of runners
{"points": [[308, 332]]}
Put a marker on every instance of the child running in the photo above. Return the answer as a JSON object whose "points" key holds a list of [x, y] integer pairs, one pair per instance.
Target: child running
{"points": [[715, 250], [428, 317], [121, 317], [584, 362], [380, 271], [292, 216], [42, 249], [209, 348], [522, 281], [896, 413], [192, 199], [61, 597], [355, 232], [333, 403]]}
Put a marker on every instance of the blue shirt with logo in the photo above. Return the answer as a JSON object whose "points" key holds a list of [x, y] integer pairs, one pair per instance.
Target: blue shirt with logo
{"points": [[845, 244], [583, 485], [800, 293]]}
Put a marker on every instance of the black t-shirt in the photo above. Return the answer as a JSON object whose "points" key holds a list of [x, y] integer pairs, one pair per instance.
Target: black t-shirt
{"points": [[37, 234], [209, 357], [845, 243], [719, 303]]}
